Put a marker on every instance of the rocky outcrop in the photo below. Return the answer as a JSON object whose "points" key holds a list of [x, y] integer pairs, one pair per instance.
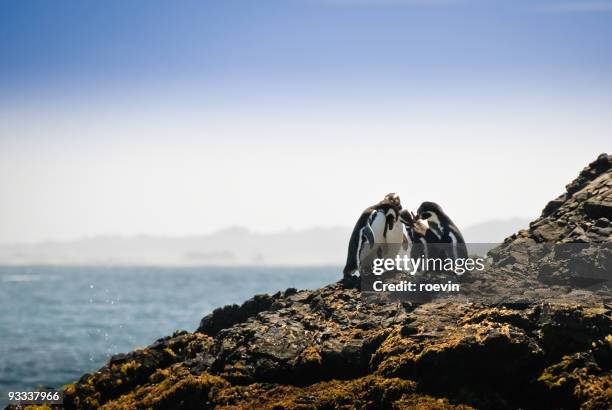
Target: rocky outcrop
{"points": [[330, 348], [569, 245], [582, 214], [327, 349]]}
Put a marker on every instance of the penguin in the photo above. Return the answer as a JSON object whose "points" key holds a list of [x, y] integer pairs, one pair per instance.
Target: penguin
{"points": [[376, 234], [418, 233], [395, 236], [441, 229]]}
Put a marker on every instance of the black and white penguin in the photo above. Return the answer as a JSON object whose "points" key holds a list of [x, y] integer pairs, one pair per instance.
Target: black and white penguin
{"points": [[376, 234], [441, 229], [396, 238], [417, 233]]}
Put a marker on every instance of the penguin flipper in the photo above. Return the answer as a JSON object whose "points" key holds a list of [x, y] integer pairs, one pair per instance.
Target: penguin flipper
{"points": [[352, 257], [369, 235], [355, 244]]}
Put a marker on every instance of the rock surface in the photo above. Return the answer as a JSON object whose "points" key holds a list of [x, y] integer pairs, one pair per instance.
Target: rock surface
{"points": [[328, 348]]}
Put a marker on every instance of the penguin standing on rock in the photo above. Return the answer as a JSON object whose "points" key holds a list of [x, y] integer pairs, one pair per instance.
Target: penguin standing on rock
{"points": [[377, 233], [441, 229]]}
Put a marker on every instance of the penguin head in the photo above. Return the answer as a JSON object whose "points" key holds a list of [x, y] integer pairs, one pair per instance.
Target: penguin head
{"points": [[394, 199], [391, 207], [433, 214], [406, 217], [391, 216]]}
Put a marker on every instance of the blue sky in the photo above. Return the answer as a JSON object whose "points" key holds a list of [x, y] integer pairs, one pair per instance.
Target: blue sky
{"points": [[137, 116], [325, 46]]}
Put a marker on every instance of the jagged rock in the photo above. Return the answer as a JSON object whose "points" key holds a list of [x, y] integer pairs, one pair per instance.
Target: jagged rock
{"points": [[587, 198], [578, 224], [549, 347], [468, 354]]}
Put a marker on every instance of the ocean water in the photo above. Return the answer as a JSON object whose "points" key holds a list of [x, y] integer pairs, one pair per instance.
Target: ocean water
{"points": [[57, 323]]}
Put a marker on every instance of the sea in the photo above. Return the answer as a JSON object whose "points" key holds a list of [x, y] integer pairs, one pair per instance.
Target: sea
{"points": [[57, 323]]}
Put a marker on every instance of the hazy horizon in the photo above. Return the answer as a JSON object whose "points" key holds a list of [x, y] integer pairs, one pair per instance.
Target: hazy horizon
{"points": [[497, 221], [234, 246], [512, 221]]}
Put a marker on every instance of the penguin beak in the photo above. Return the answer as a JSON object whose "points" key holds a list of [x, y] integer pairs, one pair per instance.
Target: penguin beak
{"points": [[424, 222]]}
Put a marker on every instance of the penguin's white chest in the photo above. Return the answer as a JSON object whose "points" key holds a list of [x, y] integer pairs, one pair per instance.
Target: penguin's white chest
{"points": [[396, 234], [378, 227]]}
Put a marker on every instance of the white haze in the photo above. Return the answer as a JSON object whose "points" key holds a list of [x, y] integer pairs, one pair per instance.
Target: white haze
{"points": [[67, 173]]}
